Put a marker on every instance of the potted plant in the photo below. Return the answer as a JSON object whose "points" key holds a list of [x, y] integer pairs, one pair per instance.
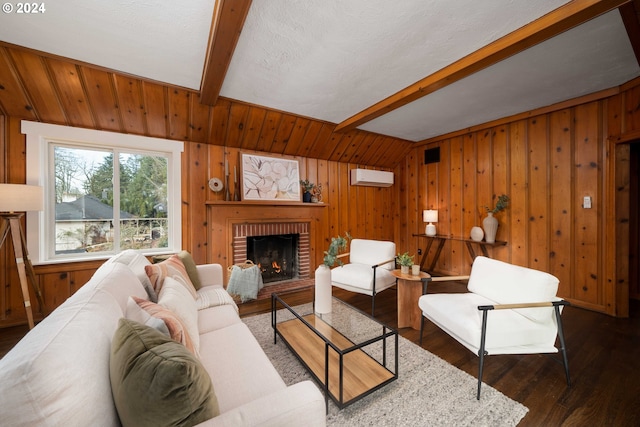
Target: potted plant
{"points": [[322, 302], [405, 260], [490, 223], [308, 187]]}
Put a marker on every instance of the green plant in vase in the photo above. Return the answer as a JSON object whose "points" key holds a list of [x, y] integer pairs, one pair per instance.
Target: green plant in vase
{"points": [[307, 188], [405, 261]]}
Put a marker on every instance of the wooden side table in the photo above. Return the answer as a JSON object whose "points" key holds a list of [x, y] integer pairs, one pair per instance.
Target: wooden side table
{"points": [[441, 239], [410, 289]]}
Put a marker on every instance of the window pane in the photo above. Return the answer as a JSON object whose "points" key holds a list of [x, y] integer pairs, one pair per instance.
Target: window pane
{"points": [[84, 200], [143, 201]]}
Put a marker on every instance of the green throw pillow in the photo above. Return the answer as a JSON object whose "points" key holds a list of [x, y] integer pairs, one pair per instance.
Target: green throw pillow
{"points": [[190, 266], [156, 381]]}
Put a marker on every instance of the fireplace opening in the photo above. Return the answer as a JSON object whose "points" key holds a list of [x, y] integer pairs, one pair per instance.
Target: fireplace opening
{"points": [[275, 255]]}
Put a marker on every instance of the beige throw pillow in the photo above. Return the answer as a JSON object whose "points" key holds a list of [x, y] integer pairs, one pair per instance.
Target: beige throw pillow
{"points": [[177, 329], [171, 267], [176, 297]]}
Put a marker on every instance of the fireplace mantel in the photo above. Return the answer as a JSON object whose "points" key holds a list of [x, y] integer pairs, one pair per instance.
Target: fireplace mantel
{"points": [[274, 204], [223, 216]]}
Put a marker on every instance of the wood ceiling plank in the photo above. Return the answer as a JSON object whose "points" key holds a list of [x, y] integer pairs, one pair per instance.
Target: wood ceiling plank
{"points": [[322, 140], [178, 108], [218, 124], [565, 17], [366, 155], [309, 138], [226, 26], [324, 151], [237, 121], [252, 130], [296, 139], [155, 109], [269, 129], [363, 146], [101, 99], [341, 145], [198, 119], [37, 83], [70, 92], [281, 138], [13, 100], [354, 145], [131, 104]]}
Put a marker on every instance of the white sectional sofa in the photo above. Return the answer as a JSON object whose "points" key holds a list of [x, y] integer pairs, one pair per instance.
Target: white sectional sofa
{"points": [[59, 373]]}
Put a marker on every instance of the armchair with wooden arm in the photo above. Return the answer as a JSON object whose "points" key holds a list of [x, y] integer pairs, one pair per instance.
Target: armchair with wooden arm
{"points": [[368, 268], [525, 312]]}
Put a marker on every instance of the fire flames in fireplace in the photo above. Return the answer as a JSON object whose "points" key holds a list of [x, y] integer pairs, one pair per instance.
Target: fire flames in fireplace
{"points": [[275, 255]]}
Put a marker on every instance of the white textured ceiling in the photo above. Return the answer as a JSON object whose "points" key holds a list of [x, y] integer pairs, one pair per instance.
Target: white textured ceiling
{"points": [[330, 59]]}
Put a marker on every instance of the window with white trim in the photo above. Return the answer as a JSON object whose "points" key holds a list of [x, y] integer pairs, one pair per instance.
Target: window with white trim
{"points": [[104, 192]]}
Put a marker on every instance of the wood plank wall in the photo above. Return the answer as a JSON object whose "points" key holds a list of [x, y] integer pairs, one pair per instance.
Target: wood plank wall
{"points": [[361, 211], [546, 163]]}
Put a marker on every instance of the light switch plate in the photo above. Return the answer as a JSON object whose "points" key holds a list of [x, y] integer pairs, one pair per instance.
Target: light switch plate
{"points": [[587, 202]]}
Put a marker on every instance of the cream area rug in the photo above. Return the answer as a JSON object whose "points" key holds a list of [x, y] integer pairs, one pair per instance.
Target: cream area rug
{"points": [[428, 391]]}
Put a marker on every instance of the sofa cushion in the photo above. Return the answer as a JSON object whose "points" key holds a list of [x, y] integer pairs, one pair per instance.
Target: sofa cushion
{"points": [[371, 252], [171, 267], [155, 381], [177, 329], [505, 283], [240, 367], [177, 298]]}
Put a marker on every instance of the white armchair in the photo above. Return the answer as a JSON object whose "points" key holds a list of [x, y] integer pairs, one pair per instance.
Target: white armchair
{"points": [[368, 270], [525, 312]]}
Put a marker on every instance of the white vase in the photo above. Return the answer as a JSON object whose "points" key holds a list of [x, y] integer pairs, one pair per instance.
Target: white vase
{"points": [[476, 234], [404, 269], [490, 225], [323, 290]]}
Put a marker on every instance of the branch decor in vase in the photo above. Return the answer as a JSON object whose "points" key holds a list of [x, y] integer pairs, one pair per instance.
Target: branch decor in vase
{"points": [[322, 302], [490, 223]]}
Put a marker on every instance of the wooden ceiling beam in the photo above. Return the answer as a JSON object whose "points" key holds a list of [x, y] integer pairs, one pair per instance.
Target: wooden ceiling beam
{"points": [[562, 19], [226, 26]]}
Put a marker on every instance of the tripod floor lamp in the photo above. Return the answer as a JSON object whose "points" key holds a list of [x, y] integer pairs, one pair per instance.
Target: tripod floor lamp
{"points": [[15, 200]]}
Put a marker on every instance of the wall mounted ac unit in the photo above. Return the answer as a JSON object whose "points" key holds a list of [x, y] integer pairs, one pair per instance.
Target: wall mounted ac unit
{"points": [[371, 178]]}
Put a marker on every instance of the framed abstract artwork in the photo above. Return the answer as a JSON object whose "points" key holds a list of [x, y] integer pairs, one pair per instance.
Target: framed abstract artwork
{"points": [[269, 178]]}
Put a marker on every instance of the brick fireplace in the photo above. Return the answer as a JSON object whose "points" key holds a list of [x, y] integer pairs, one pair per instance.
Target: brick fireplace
{"points": [[229, 223], [300, 229]]}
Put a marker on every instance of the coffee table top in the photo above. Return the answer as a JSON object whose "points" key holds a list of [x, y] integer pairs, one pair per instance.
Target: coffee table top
{"points": [[356, 326]]}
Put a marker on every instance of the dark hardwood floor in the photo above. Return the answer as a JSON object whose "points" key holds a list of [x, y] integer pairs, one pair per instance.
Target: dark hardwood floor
{"points": [[604, 360]]}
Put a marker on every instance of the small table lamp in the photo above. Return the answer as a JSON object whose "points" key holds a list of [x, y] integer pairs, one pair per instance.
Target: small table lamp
{"points": [[430, 216], [15, 199]]}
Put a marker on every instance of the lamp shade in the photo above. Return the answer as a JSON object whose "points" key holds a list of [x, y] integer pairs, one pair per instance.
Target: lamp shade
{"points": [[21, 198], [430, 215]]}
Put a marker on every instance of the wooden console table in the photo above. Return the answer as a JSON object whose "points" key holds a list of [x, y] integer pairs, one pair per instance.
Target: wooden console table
{"points": [[441, 239]]}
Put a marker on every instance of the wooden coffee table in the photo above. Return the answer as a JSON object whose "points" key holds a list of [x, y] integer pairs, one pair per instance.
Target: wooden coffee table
{"points": [[332, 347], [410, 289]]}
